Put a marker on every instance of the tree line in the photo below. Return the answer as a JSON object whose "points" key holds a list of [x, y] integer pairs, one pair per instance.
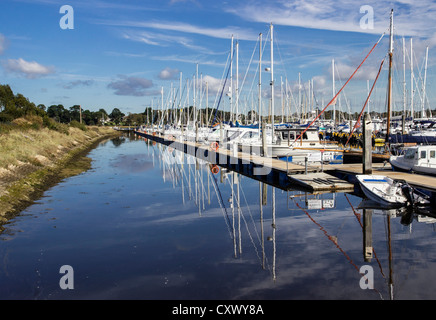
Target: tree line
{"points": [[13, 106]]}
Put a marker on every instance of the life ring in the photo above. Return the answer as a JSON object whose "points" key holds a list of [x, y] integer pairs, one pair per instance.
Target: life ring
{"points": [[154, 133], [214, 169], [214, 146]]}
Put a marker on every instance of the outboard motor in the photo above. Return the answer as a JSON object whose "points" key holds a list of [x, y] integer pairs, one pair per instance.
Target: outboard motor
{"points": [[407, 216], [408, 193]]}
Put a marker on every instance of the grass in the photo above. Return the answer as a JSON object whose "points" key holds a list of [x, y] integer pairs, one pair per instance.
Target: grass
{"points": [[29, 143], [33, 156]]}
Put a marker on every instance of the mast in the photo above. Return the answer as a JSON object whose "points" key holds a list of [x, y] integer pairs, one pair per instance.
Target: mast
{"points": [[272, 82], [231, 80], [334, 92], [411, 79], [162, 103], [180, 100], [391, 49], [404, 77], [299, 109], [260, 82], [423, 86], [237, 80]]}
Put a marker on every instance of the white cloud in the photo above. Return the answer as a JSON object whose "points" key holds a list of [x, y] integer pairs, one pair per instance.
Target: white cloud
{"points": [[159, 39], [169, 74], [221, 33], [410, 19], [214, 85], [30, 70]]}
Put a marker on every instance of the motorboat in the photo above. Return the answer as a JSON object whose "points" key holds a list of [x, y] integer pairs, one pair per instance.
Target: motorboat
{"points": [[391, 193], [419, 159]]}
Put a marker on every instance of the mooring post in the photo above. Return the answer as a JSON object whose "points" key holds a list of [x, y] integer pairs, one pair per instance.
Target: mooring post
{"points": [[305, 165], [367, 145], [264, 148], [367, 235]]}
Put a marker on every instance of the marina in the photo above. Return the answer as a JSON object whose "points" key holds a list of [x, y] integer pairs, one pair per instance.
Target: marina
{"points": [[255, 152], [314, 177], [206, 234]]}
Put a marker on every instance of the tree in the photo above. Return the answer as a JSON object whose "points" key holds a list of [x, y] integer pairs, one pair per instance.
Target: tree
{"points": [[6, 95], [59, 113], [116, 115], [75, 113]]}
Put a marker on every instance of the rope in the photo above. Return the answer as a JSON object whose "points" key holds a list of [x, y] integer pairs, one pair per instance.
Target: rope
{"points": [[366, 102], [337, 94]]}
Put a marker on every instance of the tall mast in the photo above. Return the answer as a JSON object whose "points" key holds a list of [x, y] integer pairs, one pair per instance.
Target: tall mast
{"points": [[299, 110], [260, 82], [231, 80], [423, 86], [412, 91], [272, 81], [334, 92], [180, 100], [237, 80], [391, 49], [162, 103], [404, 76]]}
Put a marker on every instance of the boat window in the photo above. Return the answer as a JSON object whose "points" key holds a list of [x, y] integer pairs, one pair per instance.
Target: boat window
{"points": [[246, 135], [423, 154], [410, 154], [432, 154]]}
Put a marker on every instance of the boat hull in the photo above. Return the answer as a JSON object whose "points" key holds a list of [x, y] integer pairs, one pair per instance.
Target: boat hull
{"points": [[377, 188]]}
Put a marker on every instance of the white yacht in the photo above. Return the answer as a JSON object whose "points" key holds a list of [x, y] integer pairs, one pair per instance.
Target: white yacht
{"points": [[420, 159], [284, 143]]}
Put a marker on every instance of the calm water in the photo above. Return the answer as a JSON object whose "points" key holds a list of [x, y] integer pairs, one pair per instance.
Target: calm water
{"points": [[145, 223]]}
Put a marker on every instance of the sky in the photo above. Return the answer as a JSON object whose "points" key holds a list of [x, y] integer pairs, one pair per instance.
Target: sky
{"points": [[132, 54]]}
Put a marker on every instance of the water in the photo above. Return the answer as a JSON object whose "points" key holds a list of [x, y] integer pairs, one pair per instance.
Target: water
{"points": [[141, 225]]}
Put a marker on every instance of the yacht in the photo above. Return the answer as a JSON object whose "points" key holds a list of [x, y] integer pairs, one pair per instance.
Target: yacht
{"points": [[420, 159]]}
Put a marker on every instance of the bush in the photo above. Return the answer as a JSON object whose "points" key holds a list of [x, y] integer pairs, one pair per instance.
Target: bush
{"points": [[29, 122], [77, 124], [49, 123], [6, 127]]}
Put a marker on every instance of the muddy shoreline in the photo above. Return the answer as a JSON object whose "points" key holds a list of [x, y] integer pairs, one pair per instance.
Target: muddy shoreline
{"points": [[34, 181]]}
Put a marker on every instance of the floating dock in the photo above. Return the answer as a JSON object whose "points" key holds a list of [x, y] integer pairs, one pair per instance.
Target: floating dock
{"points": [[290, 176]]}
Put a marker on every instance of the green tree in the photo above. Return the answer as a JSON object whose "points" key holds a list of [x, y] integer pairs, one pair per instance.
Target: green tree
{"points": [[116, 115]]}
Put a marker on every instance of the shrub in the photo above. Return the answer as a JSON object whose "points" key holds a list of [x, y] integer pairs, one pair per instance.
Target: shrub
{"points": [[77, 124], [56, 126]]}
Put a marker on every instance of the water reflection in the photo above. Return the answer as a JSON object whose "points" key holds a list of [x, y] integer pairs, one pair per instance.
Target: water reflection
{"points": [[149, 222], [261, 224]]}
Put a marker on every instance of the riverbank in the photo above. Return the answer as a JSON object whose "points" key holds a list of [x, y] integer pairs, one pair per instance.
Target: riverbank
{"points": [[33, 160]]}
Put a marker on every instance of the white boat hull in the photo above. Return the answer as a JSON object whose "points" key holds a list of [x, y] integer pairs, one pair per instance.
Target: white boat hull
{"points": [[381, 189]]}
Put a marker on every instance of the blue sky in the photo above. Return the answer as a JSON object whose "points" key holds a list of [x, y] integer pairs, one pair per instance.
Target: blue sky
{"points": [[121, 53]]}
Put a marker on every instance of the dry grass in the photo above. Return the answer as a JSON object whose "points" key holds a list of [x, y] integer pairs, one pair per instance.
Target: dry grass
{"points": [[43, 145], [28, 156]]}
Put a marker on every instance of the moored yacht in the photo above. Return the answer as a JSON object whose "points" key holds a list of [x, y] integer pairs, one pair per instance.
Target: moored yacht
{"points": [[420, 159]]}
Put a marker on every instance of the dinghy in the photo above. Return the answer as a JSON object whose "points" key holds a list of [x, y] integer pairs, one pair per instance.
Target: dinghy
{"points": [[389, 192]]}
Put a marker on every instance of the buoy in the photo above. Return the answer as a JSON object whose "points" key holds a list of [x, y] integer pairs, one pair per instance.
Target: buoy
{"points": [[215, 169], [214, 146]]}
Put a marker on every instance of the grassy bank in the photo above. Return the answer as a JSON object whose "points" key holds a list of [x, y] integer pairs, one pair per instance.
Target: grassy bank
{"points": [[33, 158]]}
